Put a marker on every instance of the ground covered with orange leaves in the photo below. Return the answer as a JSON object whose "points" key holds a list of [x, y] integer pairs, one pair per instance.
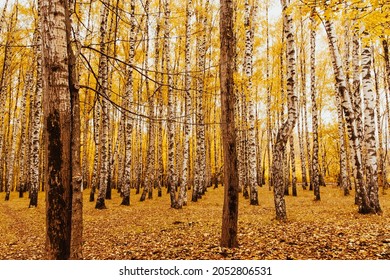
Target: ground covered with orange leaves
{"points": [[329, 229]]}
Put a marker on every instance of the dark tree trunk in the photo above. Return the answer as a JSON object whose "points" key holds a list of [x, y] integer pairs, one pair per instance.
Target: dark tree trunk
{"points": [[57, 128], [230, 208]]}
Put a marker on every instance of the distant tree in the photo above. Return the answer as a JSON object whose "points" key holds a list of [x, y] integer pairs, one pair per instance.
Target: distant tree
{"points": [[36, 112], [315, 175], [182, 199], [352, 119], [200, 162]]}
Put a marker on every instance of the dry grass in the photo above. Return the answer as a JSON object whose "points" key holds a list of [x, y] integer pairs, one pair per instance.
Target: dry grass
{"points": [[329, 229]]}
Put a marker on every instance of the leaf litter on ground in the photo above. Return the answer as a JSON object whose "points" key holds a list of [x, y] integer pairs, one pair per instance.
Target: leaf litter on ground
{"points": [[328, 229]]}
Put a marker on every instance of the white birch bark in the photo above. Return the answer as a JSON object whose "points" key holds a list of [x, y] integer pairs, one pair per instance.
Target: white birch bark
{"points": [[349, 113], [286, 129], [102, 89], [315, 178], [128, 100], [371, 163], [36, 121], [200, 165], [149, 176], [248, 65], [28, 88], [171, 109], [2, 18], [182, 199]]}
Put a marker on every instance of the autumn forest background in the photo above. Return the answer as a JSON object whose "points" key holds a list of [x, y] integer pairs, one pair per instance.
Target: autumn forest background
{"points": [[197, 129]]}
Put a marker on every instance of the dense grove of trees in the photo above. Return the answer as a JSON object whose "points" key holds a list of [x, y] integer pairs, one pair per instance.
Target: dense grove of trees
{"points": [[156, 96]]}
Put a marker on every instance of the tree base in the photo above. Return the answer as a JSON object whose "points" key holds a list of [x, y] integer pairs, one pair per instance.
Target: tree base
{"points": [[33, 201], [126, 201], [92, 197], [100, 204], [254, 202]]}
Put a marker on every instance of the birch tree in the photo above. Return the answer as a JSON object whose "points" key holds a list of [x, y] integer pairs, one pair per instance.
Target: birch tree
{"points": [[171, 110], [200, 163], [349, 113], [371, 163], [182, 199], [36, 119], [102, 90], [248, 65], [287, 127], [315, 178], [128, 99], [151, 132]]}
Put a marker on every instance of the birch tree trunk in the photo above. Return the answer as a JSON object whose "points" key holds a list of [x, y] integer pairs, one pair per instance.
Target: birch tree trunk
{"points": [[371, 163], [28, 87], [286, 129], [149, 178], [293, 169], [344, 180], [12, 141], [96, 158], [387, 63], [36, 119], [315, 178], [9, 152], [182, 200], [171, 110], [356, 99], [160, 106], [301, 141], [159, 79], [128, 99], [102, 89], [382, 174], [5, 78], [362, 194], [248, 65], [2, 18], [200, 165], [269, 129]]}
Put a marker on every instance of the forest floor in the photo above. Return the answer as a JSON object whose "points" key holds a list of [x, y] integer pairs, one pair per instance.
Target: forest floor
{"points": [[328, 229]]}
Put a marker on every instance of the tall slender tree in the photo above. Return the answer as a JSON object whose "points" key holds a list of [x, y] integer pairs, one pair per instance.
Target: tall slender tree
{"points": [[200, 164], [36, 118], [315, 178], [287, 127], [102, 89], [371, 163], [226, 71], [248, 65], [182, 200], [128, 99], [349, 113]]}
